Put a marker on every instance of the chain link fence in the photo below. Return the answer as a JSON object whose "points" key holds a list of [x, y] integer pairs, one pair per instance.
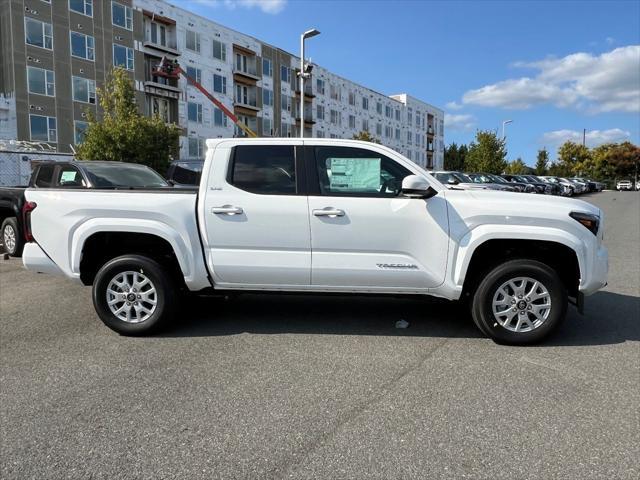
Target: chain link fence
{"points": [[17, 160]]}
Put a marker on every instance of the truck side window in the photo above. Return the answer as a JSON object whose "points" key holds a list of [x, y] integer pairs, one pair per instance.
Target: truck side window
{"points": [[44, 177], [346, 171], [264, 169]]}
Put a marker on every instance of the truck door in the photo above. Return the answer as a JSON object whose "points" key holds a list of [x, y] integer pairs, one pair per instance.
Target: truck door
{"points": [[364, 235], [256, 218]]}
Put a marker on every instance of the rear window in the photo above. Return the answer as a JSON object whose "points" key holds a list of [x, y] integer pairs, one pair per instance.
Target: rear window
{"points": [[44, 176], [264, 169], [186, 173], [124, 175]]}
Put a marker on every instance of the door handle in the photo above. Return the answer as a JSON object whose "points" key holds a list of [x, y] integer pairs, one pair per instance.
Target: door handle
{"points": [[226, 210], [329, 212]]}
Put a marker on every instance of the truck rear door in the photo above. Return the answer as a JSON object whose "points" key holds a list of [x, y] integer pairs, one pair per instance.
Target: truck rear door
{"points": [[255, 217]]}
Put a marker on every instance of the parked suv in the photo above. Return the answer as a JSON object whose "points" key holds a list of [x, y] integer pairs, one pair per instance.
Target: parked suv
{"points": [[68, 175]]}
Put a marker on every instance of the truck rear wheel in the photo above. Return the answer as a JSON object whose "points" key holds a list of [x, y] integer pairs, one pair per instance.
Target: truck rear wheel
{"points": [[11, 237], [519, 302], [134, 295]]}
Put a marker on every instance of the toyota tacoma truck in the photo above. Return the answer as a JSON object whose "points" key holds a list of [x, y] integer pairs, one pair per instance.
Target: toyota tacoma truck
{"points": [[320, 216]]}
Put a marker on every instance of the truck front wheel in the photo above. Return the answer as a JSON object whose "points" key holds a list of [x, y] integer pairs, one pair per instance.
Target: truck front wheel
{"points": [[519, 302], [133, 295]]}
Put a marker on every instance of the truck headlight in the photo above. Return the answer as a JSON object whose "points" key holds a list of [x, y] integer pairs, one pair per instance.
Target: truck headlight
{"points": [[589, 220]]}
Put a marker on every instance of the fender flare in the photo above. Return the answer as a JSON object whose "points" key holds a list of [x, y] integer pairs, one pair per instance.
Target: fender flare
{"points": [[84, 231], [466, 247]]}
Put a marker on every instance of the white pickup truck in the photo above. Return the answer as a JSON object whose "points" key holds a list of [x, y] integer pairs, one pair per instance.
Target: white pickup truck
{"points": [[320, 215]]}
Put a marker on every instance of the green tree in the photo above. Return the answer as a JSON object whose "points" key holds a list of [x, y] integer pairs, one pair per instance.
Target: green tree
{"points": [[542, 162], [454, 157], [516, 167], [365, 136], [123, 134], [486, 154], [573, 158]]}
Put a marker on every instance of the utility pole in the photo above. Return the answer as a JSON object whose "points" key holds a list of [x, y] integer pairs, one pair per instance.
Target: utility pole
{"points": [[305, 72], [584, 137]]}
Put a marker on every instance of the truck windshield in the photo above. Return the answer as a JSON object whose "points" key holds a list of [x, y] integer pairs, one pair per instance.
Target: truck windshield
{"points": [[123, 175]]}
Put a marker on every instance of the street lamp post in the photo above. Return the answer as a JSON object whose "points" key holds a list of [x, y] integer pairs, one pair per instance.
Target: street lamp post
{"points": [[305, 72], [504, 124]]}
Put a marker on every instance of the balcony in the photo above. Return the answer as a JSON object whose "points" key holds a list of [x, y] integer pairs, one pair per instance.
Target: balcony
{"points": [[168, 48], [244, 65], [245, 101], [308, 91], [159, 34], [157, 85], [430, 130]]}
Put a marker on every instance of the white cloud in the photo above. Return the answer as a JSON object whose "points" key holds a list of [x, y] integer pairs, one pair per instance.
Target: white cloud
{"points": [[598, 83], [453, 106], [267, 6], [593, 138], [461, 122]]}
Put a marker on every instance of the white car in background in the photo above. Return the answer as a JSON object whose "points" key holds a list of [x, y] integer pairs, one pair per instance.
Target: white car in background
{"points": [[458, 181], [624, 185]]}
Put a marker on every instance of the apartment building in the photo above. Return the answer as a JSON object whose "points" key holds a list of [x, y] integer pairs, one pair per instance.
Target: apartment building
{"points": [[55, 53]]}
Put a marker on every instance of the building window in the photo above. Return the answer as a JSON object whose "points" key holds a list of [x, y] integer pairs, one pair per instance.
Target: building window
{"points": [[388, 131], [194, 112], [398, 114], [219, 84], [85, 7], [388, 111], [397, 134], [286, 129], [193, 41], [43, 128], [285, 103], [379, 129], [267, 67], [336, 117], [334, 92], [320, 86], [195, 73], [352, 98], [266, 127], [79, 131], [365, 124], [267, 97], [219, 48], [82, 46], [41, 81], [196, 147], [409, 116], [352, 121], [219, 117], [409, 138], [365, 103], [122, 56], [121, 15], [83, 90], [158, 34], [38, 33], [379, 108], [320, 134], [285, 74], [320, 112], [161, 108]]}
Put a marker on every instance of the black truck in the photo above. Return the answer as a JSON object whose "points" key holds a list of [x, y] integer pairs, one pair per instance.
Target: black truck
{"points": [[75, 174]]}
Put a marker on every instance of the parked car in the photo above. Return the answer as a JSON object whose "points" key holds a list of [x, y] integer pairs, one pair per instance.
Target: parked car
{"points": [[538, 185], [591, 185], [578, 187], [567, 189], [624, 185], [374, 221], [526, 187], [493, 184], [69, 175], [458, 181], [519, 186]]}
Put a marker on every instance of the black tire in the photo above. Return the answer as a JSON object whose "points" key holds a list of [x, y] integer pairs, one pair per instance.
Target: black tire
{"points": [[165, 296], [11, 225], [482, 303]]}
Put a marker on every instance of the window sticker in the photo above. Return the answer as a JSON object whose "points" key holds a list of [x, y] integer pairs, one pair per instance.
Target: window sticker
{"points": [[69, 176], [354, 174]]}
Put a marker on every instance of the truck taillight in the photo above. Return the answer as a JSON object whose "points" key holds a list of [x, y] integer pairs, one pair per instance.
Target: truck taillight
{"points": [[27, 208]]}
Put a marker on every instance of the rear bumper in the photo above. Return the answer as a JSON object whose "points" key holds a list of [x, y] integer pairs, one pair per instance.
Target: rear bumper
{"points": [[34, 258], [599, 272]]}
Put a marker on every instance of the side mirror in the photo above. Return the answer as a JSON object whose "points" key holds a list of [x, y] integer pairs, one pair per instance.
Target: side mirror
{"points": [[415, 186]]}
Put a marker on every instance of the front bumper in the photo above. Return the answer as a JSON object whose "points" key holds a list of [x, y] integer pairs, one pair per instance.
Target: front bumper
{"points": [[599, 271]]}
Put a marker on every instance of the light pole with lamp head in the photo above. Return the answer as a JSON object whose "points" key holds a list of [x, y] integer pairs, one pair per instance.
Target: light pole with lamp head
{"points": [[504, 124], [305, 72]]}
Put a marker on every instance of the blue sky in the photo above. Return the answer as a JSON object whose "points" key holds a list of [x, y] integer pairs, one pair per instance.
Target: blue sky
{"points": [[552, 67]]}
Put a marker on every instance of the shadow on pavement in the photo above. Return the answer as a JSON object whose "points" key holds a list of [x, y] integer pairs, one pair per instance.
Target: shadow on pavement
{"points": [[609, 318]]}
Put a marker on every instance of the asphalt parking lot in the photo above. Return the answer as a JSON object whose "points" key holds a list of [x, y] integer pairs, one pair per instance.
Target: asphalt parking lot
{"points": [[316, 387]]}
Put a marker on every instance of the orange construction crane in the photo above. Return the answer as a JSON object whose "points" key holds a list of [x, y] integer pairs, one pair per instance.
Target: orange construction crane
{"points": [[171, 69]]}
